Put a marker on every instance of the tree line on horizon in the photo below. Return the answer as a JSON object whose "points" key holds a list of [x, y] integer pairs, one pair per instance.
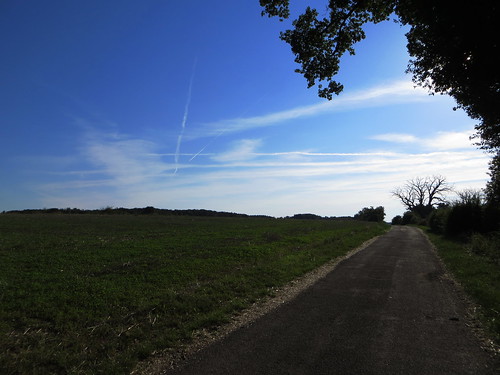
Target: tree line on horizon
{"points": [[150, 210]]}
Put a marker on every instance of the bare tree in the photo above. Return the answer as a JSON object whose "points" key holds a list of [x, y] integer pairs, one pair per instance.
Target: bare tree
{"points": [[420, 195], [471, 197]]}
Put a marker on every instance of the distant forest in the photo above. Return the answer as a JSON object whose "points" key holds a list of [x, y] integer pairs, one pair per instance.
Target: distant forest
{"points": [[157, 211]]}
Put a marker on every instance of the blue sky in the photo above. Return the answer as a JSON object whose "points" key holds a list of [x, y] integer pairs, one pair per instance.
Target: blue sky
{"points": [[195, 104]]}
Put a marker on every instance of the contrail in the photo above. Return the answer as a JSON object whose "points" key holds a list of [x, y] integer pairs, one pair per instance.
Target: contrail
{"points": [[226, 129], [185, 117], [208, 144]]}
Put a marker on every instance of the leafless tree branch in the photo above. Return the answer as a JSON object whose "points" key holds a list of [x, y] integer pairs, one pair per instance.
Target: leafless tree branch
{"points": [[420, 192]]}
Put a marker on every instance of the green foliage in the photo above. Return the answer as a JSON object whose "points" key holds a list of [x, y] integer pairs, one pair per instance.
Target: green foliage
{"points": [[95, 293], [306, 216], [487, 246], [467, 215], [438, 220], [371, 214], [491, 217], [464, 218], [319, 43], [275, 8], [493, 186], [397, 220], [454, 49], [410, 218]]}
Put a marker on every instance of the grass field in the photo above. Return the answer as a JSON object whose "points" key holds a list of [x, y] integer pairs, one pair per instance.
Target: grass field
{"points": [[479, 275], [95, 294]]}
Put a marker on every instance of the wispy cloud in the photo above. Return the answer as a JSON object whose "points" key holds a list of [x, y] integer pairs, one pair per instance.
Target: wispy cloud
{"points": [[438, 141], [394, 92], [449, 140], [124, 160], [242, 150], [396, 138]]}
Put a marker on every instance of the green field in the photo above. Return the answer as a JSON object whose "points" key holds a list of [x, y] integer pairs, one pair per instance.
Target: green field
{"points": [[95, 294]]}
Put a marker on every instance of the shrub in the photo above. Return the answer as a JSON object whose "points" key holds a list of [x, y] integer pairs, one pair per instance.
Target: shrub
{"points": [[438, 220], [491, 218], [487, 246], [464, 218], [410, 218], [371, 214], [397, 220]]}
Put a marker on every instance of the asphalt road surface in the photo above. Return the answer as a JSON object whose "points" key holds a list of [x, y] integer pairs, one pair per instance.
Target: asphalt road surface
{"points": [[386, 310]]}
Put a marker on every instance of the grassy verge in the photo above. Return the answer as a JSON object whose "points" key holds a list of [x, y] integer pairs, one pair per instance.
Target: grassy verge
{"points": [[94, 294], [478, 273]]}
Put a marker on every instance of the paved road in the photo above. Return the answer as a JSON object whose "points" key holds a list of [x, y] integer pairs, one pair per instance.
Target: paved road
{"points": [[386, 310]]}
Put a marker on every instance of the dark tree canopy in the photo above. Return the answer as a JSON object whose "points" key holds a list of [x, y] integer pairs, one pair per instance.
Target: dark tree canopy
{"points": [[371, 214], [493, 186], [453, 46]]}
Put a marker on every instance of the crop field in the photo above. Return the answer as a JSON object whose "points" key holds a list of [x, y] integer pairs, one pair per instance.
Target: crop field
{"points": [[95, 294]]}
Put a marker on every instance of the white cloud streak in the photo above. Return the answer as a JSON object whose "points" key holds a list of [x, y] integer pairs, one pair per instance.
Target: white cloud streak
{"points": [[439, 141], [396, 138], [394, 92], [124, 161], [243, 150]]}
